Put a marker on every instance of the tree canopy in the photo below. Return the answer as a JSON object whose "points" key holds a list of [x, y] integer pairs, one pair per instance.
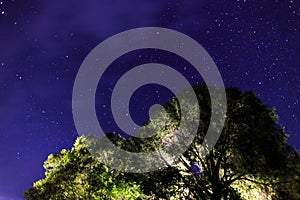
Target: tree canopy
{"points": [[251, 160]]}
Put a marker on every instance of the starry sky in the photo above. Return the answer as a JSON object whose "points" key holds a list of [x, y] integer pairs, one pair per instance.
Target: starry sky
{"points": [[255, 45]]}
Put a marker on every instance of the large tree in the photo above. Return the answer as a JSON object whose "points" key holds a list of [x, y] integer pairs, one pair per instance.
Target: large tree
{"points": [[250, 160]]}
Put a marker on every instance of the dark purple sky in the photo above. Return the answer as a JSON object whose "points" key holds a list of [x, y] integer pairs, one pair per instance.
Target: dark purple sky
{"points": [[255, 45]]}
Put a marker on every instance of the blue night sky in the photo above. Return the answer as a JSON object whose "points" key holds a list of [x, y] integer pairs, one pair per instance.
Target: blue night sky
{"points": [[255, 45]]}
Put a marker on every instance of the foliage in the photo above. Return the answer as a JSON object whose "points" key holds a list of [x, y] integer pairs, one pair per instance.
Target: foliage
{"points": [[76, 174], [250, 160]]}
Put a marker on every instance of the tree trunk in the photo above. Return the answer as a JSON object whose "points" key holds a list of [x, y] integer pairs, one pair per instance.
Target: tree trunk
{"points": [[217, 192]]}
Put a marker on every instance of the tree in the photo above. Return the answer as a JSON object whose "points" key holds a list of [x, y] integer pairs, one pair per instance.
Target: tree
{"points": [[250, 160]]}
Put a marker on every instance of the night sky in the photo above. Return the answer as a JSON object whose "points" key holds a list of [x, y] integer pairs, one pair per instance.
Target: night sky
{"points": [[255, 45]]}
